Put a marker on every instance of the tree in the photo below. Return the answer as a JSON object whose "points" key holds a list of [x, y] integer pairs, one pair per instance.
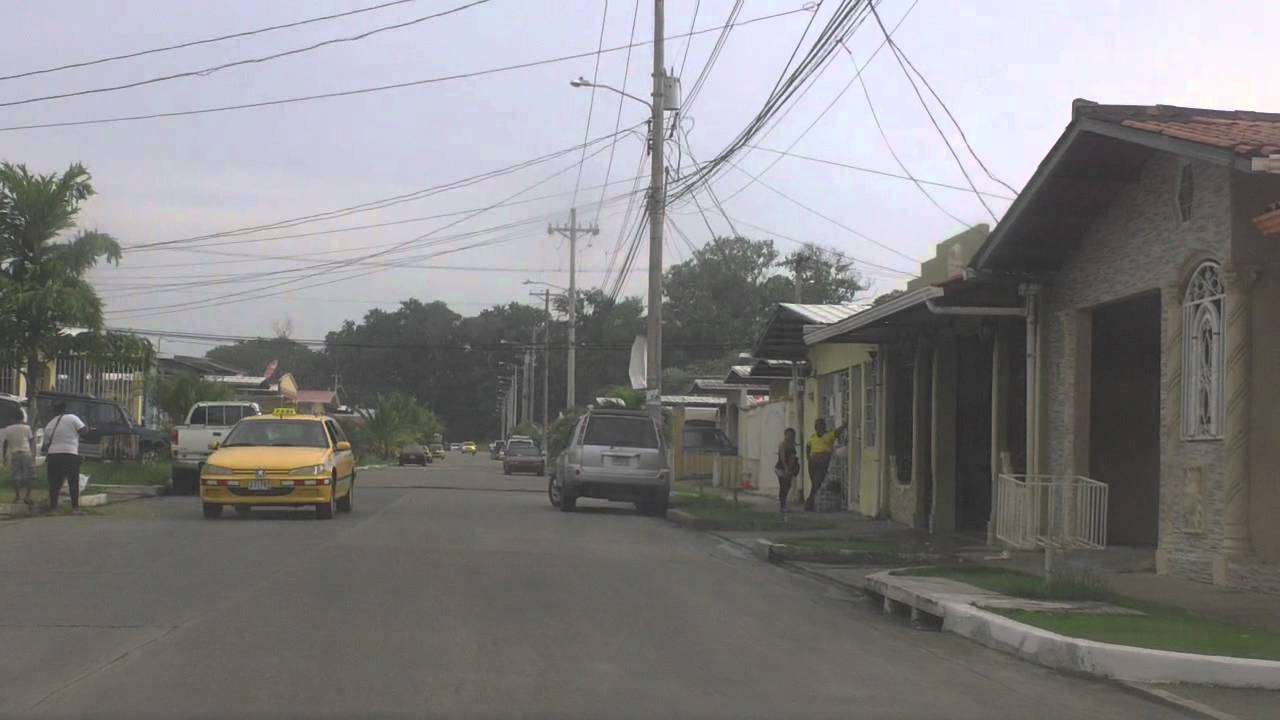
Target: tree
{"points": [[825, 275], [176, 394], [43, 289], [396, 419]]}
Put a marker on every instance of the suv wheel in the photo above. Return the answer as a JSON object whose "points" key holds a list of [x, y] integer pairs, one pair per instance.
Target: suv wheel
{"points": [[568, 501], [553, 492], [186, 482], [212, 511]]}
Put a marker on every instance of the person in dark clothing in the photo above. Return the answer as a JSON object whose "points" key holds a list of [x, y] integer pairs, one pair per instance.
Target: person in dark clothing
{"points": [[787, 467], [62, 455]]}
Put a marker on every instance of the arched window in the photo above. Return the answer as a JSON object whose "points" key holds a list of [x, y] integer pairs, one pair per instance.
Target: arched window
{"points": [[1203, 403]]}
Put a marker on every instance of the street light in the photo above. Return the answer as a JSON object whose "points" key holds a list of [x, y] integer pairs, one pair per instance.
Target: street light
{"points": [[583, 82]]}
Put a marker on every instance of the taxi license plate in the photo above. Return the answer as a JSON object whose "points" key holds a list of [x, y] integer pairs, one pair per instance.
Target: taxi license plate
{"points": [[259, 484]]}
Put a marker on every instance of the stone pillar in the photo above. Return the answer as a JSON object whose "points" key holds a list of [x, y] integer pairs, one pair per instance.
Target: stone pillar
{"points": [[1171, 433], [942, 518], [999, 415], [921, 429], [1235, 510]]}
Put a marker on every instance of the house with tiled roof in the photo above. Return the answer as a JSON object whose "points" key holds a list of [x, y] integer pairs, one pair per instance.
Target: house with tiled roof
{"points": [[1121, 317]]}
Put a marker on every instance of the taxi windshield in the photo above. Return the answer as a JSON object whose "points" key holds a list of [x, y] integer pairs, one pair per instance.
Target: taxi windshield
{"points": [[277, 433]]}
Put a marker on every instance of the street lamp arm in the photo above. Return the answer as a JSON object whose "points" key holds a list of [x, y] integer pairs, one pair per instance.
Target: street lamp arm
{"points": [[583, 82]]}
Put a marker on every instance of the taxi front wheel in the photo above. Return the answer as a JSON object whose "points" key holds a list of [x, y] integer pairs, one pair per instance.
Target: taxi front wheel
{"points": [[326, 510], [346, 503]]}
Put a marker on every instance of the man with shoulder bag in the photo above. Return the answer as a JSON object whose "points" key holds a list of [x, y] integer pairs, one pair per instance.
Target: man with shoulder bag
{"points": [[62, 455]]}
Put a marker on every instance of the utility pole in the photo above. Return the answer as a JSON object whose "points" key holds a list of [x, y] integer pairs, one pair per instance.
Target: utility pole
{"points": [[797, 383], [657, 199], [528, 379], [571, 232], [546, 361]]}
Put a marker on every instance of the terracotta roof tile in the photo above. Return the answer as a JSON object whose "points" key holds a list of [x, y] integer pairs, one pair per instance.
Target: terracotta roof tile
{"points": [[1251, 134]]}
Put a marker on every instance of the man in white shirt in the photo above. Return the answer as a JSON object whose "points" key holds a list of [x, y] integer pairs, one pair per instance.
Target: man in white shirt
{"points": [[15, 447], [62, 459]]}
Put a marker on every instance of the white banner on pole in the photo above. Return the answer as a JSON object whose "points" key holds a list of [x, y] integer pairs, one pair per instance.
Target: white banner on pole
{"points": [[639, 371]]}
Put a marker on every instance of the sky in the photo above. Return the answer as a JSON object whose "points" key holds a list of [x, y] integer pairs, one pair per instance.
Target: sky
{"points": [[1007, 72]]}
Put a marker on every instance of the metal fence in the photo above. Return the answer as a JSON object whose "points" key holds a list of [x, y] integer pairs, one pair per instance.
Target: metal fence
{"points": [[1058, 511], [117, 382]]}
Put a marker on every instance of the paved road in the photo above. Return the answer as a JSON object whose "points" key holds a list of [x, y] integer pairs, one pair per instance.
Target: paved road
{"points": [[454, 591]]}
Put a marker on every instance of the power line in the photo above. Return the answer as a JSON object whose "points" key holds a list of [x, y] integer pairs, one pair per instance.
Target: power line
{"points": [[901, 165], [246, 295], [377, 204], [713, 56], [617, 123], [591, 106], [206, 41], [873, 171], [893, 47], [379, 88], [826, 217], [775, 233], [688, 43], [248, 61], [812, 124]]}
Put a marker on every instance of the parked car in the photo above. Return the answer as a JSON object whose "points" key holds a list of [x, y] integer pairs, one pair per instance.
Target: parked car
{"points": [[206, 423], [283, 459], [456, 447], [108, 433], [437, 451], [414, 455], [524, 458], [613, 454]]}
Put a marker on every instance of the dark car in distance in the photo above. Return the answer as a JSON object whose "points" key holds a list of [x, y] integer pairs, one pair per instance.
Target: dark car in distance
{"points": [[523, 458], [414, 455]]}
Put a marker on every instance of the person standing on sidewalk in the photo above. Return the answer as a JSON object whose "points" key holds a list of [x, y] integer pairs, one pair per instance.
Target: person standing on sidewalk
{"points": [[62, 455], [787, 467], [820, 446], [15, 450]]}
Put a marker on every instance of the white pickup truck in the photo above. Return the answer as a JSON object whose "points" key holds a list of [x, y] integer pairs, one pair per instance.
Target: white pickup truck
{"points": [[207, 422]]}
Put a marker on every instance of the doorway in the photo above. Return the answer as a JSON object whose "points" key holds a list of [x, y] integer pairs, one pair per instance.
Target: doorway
{"points": [[1124, 416], [973, 431]]}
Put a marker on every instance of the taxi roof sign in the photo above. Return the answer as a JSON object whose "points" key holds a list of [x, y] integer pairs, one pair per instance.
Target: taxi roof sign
{"points": [[284, 412]]}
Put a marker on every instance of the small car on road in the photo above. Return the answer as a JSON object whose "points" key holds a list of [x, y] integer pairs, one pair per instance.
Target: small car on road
{"points": [[469, 448], [280, 460], [455, 447], [437, 451], [414, 455], [524, 458], [613, 454]]}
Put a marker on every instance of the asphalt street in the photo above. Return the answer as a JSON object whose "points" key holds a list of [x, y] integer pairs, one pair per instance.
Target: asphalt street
{"points": [[455, 591]]}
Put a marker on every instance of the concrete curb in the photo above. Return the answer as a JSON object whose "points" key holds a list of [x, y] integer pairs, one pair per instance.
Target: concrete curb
{"points": [[143, 490], [686, 520], [20, 510], [1115, 662]]}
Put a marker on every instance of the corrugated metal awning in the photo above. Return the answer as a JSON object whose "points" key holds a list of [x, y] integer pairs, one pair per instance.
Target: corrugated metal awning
{"points": [[883, 311]]}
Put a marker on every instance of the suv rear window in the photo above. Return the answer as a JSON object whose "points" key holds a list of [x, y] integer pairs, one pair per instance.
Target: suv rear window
{"points": [[620, 432]]}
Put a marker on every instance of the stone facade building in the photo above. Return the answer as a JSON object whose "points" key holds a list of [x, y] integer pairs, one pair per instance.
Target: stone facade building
{"points": [[1153, 361]]}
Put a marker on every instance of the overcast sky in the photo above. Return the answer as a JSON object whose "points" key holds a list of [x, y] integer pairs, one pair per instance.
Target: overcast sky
{"points": [[1007, 71]]}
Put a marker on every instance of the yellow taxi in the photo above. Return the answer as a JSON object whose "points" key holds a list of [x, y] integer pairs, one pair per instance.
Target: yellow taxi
{"points": [[469, 447], [280, 460]]}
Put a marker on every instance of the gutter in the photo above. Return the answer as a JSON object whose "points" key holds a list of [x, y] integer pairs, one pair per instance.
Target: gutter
{"points": [[937, 309], [1266, 164]]}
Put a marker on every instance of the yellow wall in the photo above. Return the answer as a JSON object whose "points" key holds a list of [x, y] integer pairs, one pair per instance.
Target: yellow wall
{"points": [[827, 359]]}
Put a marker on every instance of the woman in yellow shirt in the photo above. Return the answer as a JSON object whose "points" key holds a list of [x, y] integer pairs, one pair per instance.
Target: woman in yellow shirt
{"points": [[820, 446]]}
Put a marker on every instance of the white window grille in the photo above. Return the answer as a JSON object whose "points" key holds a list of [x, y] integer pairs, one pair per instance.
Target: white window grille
{"points": [[1203, 349]]}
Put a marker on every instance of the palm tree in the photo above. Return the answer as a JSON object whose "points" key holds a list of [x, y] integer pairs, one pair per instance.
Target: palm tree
{"points": [[43, 288]]}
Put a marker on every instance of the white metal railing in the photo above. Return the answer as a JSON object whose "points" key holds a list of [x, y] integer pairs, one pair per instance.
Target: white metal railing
{"points": [[1056, 511]]}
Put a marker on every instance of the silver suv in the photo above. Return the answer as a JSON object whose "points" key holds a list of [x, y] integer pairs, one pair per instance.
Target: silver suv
{"points": [[613, 455]]}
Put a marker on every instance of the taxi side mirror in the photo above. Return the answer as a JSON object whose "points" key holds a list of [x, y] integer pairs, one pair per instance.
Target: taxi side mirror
{"points": [[213, 445], [342, 446]]}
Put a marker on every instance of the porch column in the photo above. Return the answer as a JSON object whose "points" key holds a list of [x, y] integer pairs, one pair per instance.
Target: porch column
{"points": [[999, 416], [1171, 432], [1235, 536], [943, 456], [921, 428]]}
